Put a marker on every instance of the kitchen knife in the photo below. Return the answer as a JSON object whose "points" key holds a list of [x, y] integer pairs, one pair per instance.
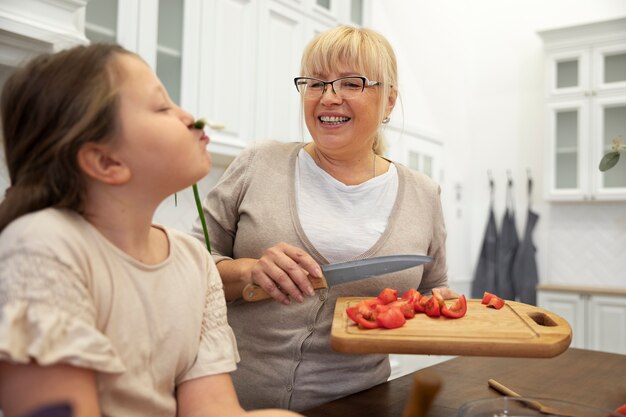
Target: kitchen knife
{"points": [[342, 272]]}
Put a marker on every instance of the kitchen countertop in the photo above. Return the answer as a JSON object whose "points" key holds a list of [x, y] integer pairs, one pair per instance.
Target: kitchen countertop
{"points": [[615, 291], [582, 376]]}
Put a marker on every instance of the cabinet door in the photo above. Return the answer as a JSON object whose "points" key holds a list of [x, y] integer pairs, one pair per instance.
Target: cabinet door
{"points": [[609, 118], [568, 153], [609, 67], [282, 35], [572, 308], [101, 20], [607, 323], [568, 72]]}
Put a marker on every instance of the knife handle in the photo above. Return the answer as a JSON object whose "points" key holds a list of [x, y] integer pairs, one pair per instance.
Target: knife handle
{"points": [[252, 292]]}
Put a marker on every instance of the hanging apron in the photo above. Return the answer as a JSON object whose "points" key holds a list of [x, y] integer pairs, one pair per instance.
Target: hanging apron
{"points": [[486, 269], [508, 243], [525, 274]]}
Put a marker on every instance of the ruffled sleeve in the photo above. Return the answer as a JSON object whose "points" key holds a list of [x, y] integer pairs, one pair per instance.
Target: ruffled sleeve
{"points": [[218, 347], [47, 314]]}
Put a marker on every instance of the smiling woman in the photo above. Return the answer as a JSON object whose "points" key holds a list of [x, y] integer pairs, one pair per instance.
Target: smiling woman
{"points": [[283, 209]]}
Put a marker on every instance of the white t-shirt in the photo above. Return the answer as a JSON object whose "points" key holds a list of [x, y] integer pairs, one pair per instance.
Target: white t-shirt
{"points": [[342, 221]]}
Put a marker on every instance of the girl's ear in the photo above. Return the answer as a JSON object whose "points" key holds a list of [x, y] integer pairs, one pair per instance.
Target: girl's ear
{"points": [[99, 162]]}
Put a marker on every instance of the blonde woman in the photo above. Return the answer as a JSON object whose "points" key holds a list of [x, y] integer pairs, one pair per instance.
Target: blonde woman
{"points": [[282, 209]]}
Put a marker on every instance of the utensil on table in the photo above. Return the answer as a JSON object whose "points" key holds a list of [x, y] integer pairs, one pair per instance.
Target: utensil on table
{"points": [[426, 385], [343, 272], [530, 403]]}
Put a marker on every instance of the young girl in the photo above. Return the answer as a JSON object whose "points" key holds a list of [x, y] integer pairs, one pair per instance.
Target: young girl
{"points": [[99, 308]]}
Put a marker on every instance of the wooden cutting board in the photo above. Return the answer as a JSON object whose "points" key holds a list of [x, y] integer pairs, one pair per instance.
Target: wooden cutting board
{"points": [[516, 330]]}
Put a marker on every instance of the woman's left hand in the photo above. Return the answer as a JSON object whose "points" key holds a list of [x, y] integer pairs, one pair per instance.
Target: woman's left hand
{"points": [[445, 293]]}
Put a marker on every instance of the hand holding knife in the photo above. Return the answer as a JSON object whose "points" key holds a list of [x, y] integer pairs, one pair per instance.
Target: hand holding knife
{"points": [[340, 273]]}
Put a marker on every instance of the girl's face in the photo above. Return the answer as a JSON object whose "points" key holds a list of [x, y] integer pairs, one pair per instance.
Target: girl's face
{"points": [[157, 140], [354, 122]]}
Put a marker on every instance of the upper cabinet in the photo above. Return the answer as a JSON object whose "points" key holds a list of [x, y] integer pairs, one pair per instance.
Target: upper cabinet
{"points": [[230, 61], [585, 109]]}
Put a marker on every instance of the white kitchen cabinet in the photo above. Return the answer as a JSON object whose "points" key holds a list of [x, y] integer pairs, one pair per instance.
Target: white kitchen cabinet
{"points": [[585, 109], [597, 315]]}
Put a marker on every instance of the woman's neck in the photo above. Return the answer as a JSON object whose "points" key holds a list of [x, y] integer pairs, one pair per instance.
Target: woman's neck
{"points": [[353, 170]]}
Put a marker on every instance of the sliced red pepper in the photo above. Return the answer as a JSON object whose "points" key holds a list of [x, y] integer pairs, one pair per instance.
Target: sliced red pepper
{"points": [[432, 307], [456, 310], [388, 295], [391, 318], [496, 302]]}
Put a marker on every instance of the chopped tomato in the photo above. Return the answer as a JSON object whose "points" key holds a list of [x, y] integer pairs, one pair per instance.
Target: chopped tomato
{"points": [[432, 307], [388, 295], [496, 302], [353, 312], [456, 310], [367, 307], [391, 318], [405, 306], [486, 297], [411, 295], [420, 305], [365, 323], [439, 300]]}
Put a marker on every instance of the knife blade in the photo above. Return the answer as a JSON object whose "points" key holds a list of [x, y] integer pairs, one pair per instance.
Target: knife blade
{"points": [[343, 272]]}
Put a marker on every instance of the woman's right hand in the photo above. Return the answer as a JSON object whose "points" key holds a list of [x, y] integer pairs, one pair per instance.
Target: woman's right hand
{"points": [[283, 272]]}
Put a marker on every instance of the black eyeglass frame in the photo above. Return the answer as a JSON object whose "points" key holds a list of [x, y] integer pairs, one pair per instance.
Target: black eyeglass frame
{"points": [[366, 82]]}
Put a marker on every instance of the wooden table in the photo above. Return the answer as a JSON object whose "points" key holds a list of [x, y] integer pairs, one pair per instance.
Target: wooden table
{"points": [[581, 376]]}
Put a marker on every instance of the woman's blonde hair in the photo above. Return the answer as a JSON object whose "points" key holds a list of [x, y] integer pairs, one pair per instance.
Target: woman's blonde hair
{"points": [[365, 50], [49, 109]]}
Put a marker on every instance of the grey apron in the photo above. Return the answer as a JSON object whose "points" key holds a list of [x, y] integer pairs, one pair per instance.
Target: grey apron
{"points": [[525, 274], [508, 243], [486, 269]]}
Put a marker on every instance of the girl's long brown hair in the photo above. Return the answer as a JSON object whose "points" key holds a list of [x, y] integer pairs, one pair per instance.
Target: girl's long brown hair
{"points": [[49, 108]]}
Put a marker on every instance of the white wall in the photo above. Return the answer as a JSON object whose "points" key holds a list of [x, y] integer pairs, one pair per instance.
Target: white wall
{"points": [[473, 72]]}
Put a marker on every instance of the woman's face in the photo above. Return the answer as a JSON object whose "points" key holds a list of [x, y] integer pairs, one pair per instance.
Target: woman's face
{"points": [[341, 125], [157, 141]]}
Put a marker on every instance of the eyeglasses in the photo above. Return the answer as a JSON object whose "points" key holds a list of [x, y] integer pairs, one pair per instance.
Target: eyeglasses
{"points": [[345, 87]]}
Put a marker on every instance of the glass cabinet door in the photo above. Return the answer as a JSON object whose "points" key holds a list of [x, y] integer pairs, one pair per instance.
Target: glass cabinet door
{"points": [[568, 72], [169, 46], [101, 21], [569, 151], [611, 116], [610, 68]]}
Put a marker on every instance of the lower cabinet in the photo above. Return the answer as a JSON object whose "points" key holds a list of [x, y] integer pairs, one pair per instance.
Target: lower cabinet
{"points": [[597, 315]]}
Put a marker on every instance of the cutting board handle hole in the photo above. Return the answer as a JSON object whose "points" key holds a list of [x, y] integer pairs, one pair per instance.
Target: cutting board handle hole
{"points": [[542, 319]]}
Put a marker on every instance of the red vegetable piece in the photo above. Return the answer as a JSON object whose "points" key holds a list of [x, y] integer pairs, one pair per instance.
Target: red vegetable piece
{"points": [[456, 310], [352, 313], [411, 295], [432, 307], [405, 306], [367, 307], [420, 305], [365, 323], [391, 318], [388, 295], [486, 297], [496, 302]]}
